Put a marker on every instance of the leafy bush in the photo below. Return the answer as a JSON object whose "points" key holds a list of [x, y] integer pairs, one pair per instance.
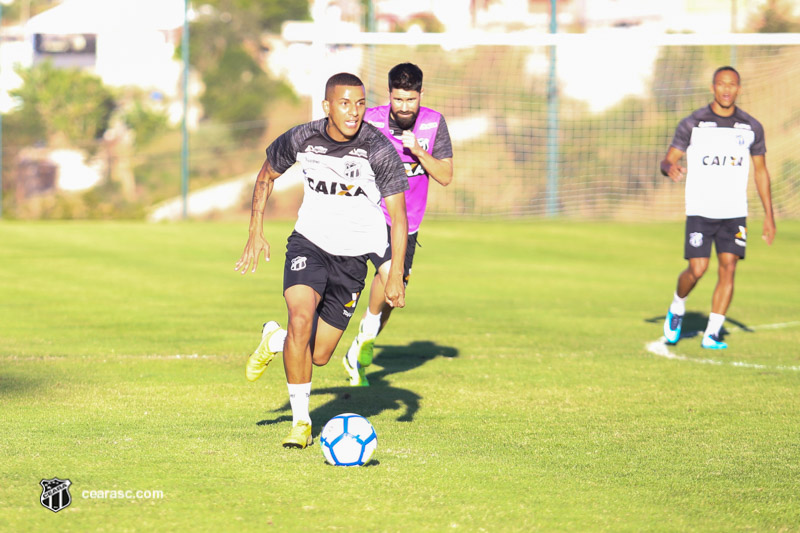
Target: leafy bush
{"points": [[70, 106]]}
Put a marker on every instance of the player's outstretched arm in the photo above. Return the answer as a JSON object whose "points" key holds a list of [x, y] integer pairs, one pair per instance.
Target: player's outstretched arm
{"points": [[439, 169], [395, 293], [670, 167], [256, 243], [763, 184]]}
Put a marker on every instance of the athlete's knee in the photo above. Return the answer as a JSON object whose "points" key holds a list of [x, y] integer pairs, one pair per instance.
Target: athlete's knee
{"points": [[696, 270], [300, 325], [320, 358], [381, 276]]}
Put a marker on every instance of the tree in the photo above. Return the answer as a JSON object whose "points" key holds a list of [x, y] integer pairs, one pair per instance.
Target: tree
{"points": [[145, 123], [21, 10], [777, 16], [237, 90], [226, 49], [261, 15], [67, 106]]}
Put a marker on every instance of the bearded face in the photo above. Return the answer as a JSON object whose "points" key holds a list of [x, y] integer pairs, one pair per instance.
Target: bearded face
{"points": [[404, 107]]}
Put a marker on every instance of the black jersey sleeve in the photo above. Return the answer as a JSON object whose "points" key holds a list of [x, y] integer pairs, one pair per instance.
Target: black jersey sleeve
{"points": [[759, 146], [683, 133], [390, 174], [282, 153], [442, 147]]}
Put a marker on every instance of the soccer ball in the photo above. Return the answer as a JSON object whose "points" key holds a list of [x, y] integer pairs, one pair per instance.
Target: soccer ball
{"points": [[348, 440]]}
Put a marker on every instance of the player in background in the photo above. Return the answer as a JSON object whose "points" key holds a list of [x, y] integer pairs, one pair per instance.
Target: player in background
{"points": [[718, 140], [420, 136], [348, 167]]}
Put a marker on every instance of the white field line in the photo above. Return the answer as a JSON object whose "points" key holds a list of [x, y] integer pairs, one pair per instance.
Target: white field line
{"points": [[774, 326], [175, 357], [661, 349]]}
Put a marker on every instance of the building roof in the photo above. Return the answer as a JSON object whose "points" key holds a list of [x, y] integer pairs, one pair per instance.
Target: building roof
{"points": [[100, 16]]}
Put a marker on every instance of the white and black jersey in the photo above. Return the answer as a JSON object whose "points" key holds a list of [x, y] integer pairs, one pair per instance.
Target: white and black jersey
{"points": [[343, 185], [718, 151]]}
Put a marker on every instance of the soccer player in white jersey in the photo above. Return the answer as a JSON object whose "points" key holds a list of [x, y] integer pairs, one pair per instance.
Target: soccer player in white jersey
{"points": [[718, 140], [422, 140], [348, 167]]}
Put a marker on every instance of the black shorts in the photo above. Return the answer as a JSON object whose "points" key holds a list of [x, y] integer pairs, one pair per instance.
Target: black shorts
{"points": [[729, 235], [338, 279], [378, 260]]}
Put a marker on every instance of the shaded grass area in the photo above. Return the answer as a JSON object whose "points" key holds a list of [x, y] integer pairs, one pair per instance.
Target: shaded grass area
{"points": [[514, 393]]}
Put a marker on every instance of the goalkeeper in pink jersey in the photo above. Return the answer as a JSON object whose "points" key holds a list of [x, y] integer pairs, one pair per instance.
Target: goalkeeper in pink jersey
{"points": [[420, 136]]}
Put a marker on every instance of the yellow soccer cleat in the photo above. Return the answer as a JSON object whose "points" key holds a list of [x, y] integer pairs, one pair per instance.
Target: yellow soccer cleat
{"points": [[299, 436], [258, 361], [357, 376], [364, 345]]}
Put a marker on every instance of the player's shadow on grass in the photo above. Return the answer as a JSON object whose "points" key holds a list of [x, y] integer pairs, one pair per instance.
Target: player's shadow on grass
{"points": [[380, 396], [17, 385], [396, 359], [694, 324], [365, 401]]}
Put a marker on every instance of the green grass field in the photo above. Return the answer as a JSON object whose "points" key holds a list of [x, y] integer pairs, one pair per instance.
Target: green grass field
{"points": [[516, 392]]}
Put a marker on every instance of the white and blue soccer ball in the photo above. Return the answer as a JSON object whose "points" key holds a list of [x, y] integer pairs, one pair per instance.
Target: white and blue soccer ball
{"points": [[348, 440]]}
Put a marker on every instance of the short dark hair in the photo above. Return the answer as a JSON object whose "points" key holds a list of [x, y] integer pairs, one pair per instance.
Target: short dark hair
{"points": [[342, 79], [405, 76], [723, 69]]}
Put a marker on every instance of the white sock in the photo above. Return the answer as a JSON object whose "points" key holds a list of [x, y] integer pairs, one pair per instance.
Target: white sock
{"points": [[371, 324], [678, 306], [277, 340], [299, 394], [715, 322], [352, 354]]}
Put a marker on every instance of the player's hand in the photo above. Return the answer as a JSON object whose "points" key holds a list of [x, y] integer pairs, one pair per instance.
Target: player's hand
{"points": [[676, 173], [395, 292], [769, 230], [252, 250], [410, 142]]}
